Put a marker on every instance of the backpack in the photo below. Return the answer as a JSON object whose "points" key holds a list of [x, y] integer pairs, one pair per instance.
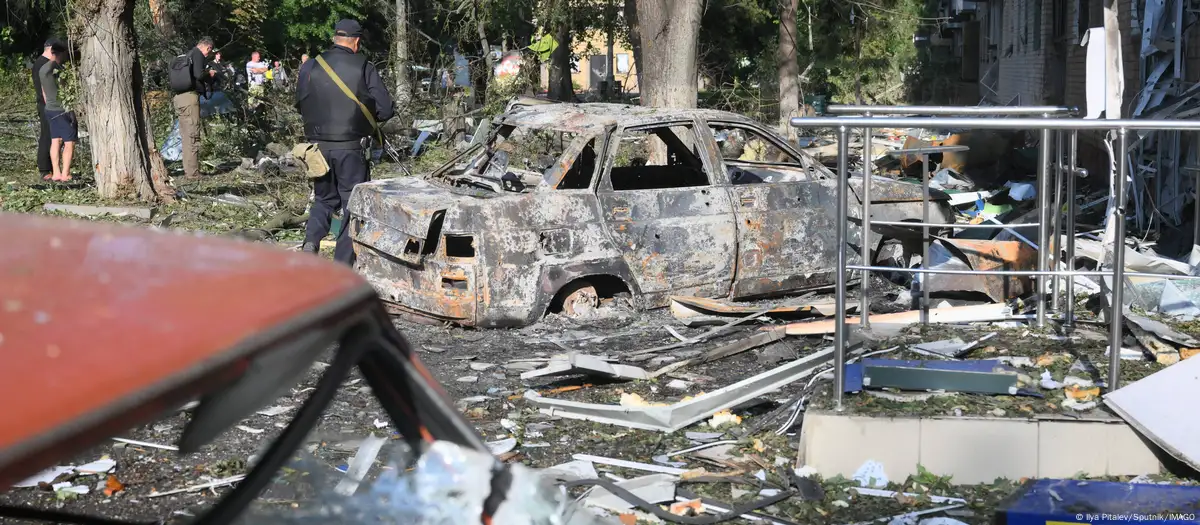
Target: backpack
{"points": [[179, 74]]}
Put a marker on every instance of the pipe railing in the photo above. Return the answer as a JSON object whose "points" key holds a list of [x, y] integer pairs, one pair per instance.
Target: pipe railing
{"points": [[864, 300], [852, 109], [1048, 166]]}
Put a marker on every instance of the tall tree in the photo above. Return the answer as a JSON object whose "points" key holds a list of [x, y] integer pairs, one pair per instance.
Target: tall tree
{"points": [[560, 86], [110, 74], [789, 67], [669, 31], [403, 93]]}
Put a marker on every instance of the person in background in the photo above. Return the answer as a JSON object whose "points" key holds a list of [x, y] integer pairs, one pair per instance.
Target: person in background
{"points": [[280, 76], [187, 107], [64, 130], [340, 129], [45, 168], [303, 59], [256, 70]]}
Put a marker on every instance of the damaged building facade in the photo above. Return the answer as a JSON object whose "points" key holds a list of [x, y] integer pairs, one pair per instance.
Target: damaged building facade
{"points": [[1035, 52]]}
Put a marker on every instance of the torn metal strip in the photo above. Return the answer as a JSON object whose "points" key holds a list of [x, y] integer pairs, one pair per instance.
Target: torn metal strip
{"points": [[679, 415]]}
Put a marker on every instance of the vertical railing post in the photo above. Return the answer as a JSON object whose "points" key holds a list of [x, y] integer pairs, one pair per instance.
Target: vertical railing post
{"points": [[864, 303], [1057, 222], [1043, 196], [839, 323], [1117, 313], [925, 238], [1069, 320]]}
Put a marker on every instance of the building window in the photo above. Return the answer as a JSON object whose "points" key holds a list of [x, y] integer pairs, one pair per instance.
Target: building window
{"points": [[1083, 17], [623, 63]]}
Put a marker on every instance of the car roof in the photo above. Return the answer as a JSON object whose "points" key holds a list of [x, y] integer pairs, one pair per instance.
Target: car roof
{"points": [[104, 327], [594, 117]]}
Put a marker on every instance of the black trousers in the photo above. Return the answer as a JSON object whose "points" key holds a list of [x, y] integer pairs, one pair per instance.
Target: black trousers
{"points": [[43, 147], [347, 169]]}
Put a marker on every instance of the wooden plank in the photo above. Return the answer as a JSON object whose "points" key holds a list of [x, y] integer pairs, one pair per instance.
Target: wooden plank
{"points": [[94, 211]]}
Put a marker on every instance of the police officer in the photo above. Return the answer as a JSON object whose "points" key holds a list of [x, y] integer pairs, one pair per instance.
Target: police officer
{"points": [[340, 129]]}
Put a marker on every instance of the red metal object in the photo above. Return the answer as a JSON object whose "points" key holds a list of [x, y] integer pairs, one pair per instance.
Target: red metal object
{"points": [[104, 327]]}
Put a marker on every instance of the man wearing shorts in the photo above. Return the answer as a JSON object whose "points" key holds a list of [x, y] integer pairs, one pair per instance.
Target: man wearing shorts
{"points": [[64, 130]]}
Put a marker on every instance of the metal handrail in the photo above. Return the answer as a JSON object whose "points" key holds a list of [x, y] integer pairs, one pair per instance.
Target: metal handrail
{"points": [[1045, 124], [843, 109]]}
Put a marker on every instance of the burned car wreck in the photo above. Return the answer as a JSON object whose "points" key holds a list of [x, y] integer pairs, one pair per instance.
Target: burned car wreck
{"points": [[562, 204]]}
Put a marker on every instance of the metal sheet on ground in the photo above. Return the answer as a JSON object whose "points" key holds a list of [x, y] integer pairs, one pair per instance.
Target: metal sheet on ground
{"points": [[1151, 406]]}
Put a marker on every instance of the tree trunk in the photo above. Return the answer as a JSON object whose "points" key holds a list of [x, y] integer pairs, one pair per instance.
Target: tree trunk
{"points": [[635, 40], [161, 17], [561, 87], [403, 94], [123, 155], [669, 30], [789, 67]]}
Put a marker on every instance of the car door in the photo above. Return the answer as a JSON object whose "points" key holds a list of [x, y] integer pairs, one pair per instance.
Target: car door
{"points": [[785, 212], [664, 209]]}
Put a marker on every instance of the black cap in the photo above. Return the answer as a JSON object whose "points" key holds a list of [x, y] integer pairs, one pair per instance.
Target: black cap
{"points": [[55, 44], [347, 27]]}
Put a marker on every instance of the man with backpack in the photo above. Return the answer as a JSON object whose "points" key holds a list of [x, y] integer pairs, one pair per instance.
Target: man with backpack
{"points": [[187, 78]]}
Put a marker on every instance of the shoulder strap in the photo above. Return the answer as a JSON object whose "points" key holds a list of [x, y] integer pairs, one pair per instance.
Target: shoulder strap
{"points": [[342, 85]]}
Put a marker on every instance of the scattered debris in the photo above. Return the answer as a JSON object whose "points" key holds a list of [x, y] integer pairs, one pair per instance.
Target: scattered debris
{"points": [[892, 324], [629, 464], [865, 491], [684, 413], [575, 363], [145, 444], [684, 307], [980, 255], [360, 464], [275, 410], [571, 471], [502, 446], [93, 211], [655, 488], [871, 474], [724, 351], [210, 485]]}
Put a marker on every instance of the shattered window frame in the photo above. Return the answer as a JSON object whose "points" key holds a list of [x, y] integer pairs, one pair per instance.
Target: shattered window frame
{"points": [[699, 148], [792, 159]]}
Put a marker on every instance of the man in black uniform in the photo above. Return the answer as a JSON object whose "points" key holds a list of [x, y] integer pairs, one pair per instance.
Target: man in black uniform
{"points": [[341, 131], [45, 168]]}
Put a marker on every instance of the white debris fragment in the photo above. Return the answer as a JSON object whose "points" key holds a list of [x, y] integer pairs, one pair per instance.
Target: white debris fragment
{"points": [[103, 465], [502, 446], [480, 367], [275, 410], [467, 379], [380, 424], [805, 471], [45, 476], [871, 474], [68, 488], [678, 384], [1048, 381], [251, 430], [1077, 406]]}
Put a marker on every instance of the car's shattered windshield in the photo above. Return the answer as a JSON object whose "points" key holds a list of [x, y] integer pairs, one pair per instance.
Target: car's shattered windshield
{"points": [[519, 158]]}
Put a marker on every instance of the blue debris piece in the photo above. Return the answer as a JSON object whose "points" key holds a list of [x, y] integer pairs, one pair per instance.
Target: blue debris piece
{"points": [[1045, 501], [854, 372]]}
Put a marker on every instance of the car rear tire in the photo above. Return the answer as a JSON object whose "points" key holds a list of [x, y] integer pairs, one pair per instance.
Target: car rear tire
{"points": [[579, 298]]}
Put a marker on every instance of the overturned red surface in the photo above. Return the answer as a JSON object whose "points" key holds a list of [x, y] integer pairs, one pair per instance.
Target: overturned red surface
{"points": [[104, 327]]}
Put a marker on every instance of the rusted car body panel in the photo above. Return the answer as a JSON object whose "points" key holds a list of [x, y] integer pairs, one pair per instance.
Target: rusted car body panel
{"points": [[470, 248]]}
